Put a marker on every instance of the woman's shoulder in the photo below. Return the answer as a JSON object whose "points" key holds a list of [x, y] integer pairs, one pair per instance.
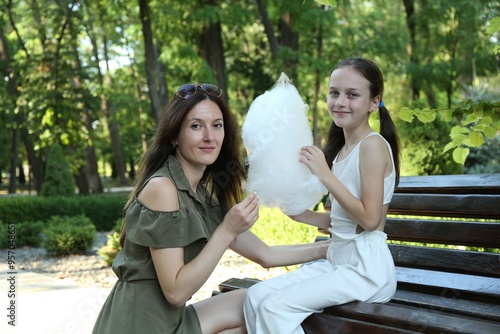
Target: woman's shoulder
{"points": [[159, 194]]}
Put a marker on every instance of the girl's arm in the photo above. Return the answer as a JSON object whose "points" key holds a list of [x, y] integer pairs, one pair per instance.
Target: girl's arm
{"points": [[179, 280], [375, 163], [250, 246], [313, 218]]}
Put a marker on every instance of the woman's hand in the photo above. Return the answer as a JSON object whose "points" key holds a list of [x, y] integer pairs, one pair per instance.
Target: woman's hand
{"points": [[243, 215]]}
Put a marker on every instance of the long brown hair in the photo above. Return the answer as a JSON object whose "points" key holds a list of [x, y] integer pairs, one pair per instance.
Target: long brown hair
{"points": [[336, 140], [224, 177]]}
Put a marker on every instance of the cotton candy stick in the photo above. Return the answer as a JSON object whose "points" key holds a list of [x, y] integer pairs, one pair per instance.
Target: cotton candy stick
{"points": [[275, 128]]}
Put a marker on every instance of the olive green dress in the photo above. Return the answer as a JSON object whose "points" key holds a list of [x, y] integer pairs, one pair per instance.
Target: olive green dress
{"points": [[136, 303]]}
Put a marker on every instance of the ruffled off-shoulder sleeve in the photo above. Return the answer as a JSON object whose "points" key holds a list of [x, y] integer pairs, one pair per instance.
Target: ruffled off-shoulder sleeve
{"points": [[157, 229]]}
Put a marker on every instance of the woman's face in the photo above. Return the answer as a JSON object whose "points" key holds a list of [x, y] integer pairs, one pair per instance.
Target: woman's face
{"points": [[349, 101], [201, 135]]}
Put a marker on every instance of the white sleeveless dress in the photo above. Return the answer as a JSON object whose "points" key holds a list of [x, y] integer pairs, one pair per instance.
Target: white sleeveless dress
{"points": [[359, 267]]}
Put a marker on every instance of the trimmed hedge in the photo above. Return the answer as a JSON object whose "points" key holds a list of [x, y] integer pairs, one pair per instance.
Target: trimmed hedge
{"points": [[103, 210]]}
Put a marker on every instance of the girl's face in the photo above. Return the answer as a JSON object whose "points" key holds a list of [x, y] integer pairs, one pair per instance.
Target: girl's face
{"points": [[349, 102], [201, 135]]}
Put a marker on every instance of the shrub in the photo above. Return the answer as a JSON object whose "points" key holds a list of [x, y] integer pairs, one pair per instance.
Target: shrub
{"points": [[109, 251], [22, 234], [3, 235], [68, 235], [29, 234], [58, 178]]}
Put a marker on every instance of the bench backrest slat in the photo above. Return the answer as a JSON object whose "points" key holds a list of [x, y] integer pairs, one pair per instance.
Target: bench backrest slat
{"points": [[477, 234], [486, 206], [457, 184], [449, 260], [463, 286]]}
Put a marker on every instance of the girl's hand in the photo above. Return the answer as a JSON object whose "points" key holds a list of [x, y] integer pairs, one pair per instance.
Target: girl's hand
{"points": [[243, 215], [314, 159]]}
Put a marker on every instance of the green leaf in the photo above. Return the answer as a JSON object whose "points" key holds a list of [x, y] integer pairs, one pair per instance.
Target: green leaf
{"points": [[476, 138], [494, 25], [327, 2], [449, 146], [490, 131], [446, 115], [406, 114], [456, 130], [471, 118], [426, 115], [460, 154]]}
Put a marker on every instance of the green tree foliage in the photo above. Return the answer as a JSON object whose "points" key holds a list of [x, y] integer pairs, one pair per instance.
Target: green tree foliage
{"points": [[473, 123], [423, 153], [58, 176], [484, 159], [76, 74]]}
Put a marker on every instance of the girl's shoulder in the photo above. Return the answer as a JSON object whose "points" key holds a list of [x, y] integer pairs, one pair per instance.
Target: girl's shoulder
{"points": [[373, 140], [374, 145]]}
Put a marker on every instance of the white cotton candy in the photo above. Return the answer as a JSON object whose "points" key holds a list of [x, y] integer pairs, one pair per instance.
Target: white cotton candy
{"points": [[275, 129]]}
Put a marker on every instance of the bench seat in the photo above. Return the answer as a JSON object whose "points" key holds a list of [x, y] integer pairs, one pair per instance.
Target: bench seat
{"points": [[444, 286]]}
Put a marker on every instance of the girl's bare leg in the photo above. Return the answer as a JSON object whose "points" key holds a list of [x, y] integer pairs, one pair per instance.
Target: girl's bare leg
{"points": [[222, 313]]}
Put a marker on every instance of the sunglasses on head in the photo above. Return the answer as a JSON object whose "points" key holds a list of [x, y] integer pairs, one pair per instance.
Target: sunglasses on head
{"points": [[185, 91]]}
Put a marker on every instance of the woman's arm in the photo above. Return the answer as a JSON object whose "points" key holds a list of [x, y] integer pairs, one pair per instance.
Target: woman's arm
{"points": [[250, 246], [179, 280]]}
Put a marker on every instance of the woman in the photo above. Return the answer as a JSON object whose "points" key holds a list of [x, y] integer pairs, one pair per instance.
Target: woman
{"points": [[360, 171], [186, 209]]}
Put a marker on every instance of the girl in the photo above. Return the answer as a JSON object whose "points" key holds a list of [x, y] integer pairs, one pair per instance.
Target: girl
{"points": [[361, 171]]}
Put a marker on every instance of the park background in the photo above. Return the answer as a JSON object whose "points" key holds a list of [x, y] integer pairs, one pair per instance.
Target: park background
{"points": [[93, 76], [84, 83]]}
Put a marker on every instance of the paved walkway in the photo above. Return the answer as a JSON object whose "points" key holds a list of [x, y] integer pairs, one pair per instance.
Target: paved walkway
{"points": [[41, 304]]}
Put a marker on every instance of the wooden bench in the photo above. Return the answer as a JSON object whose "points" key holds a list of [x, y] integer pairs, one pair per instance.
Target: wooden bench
{"points": [[440, 290]]}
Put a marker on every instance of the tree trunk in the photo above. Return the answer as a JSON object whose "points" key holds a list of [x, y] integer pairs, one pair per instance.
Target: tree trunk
{"points": [[289, 39], [162, 77], [268, 28], [91, 182], [138, 89], [412, 30], [317, 84], [116, 144], [150, 57], [81, 181], [12, 89], [34, 161], [109, 110], [212, 50], [14, 161]]}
